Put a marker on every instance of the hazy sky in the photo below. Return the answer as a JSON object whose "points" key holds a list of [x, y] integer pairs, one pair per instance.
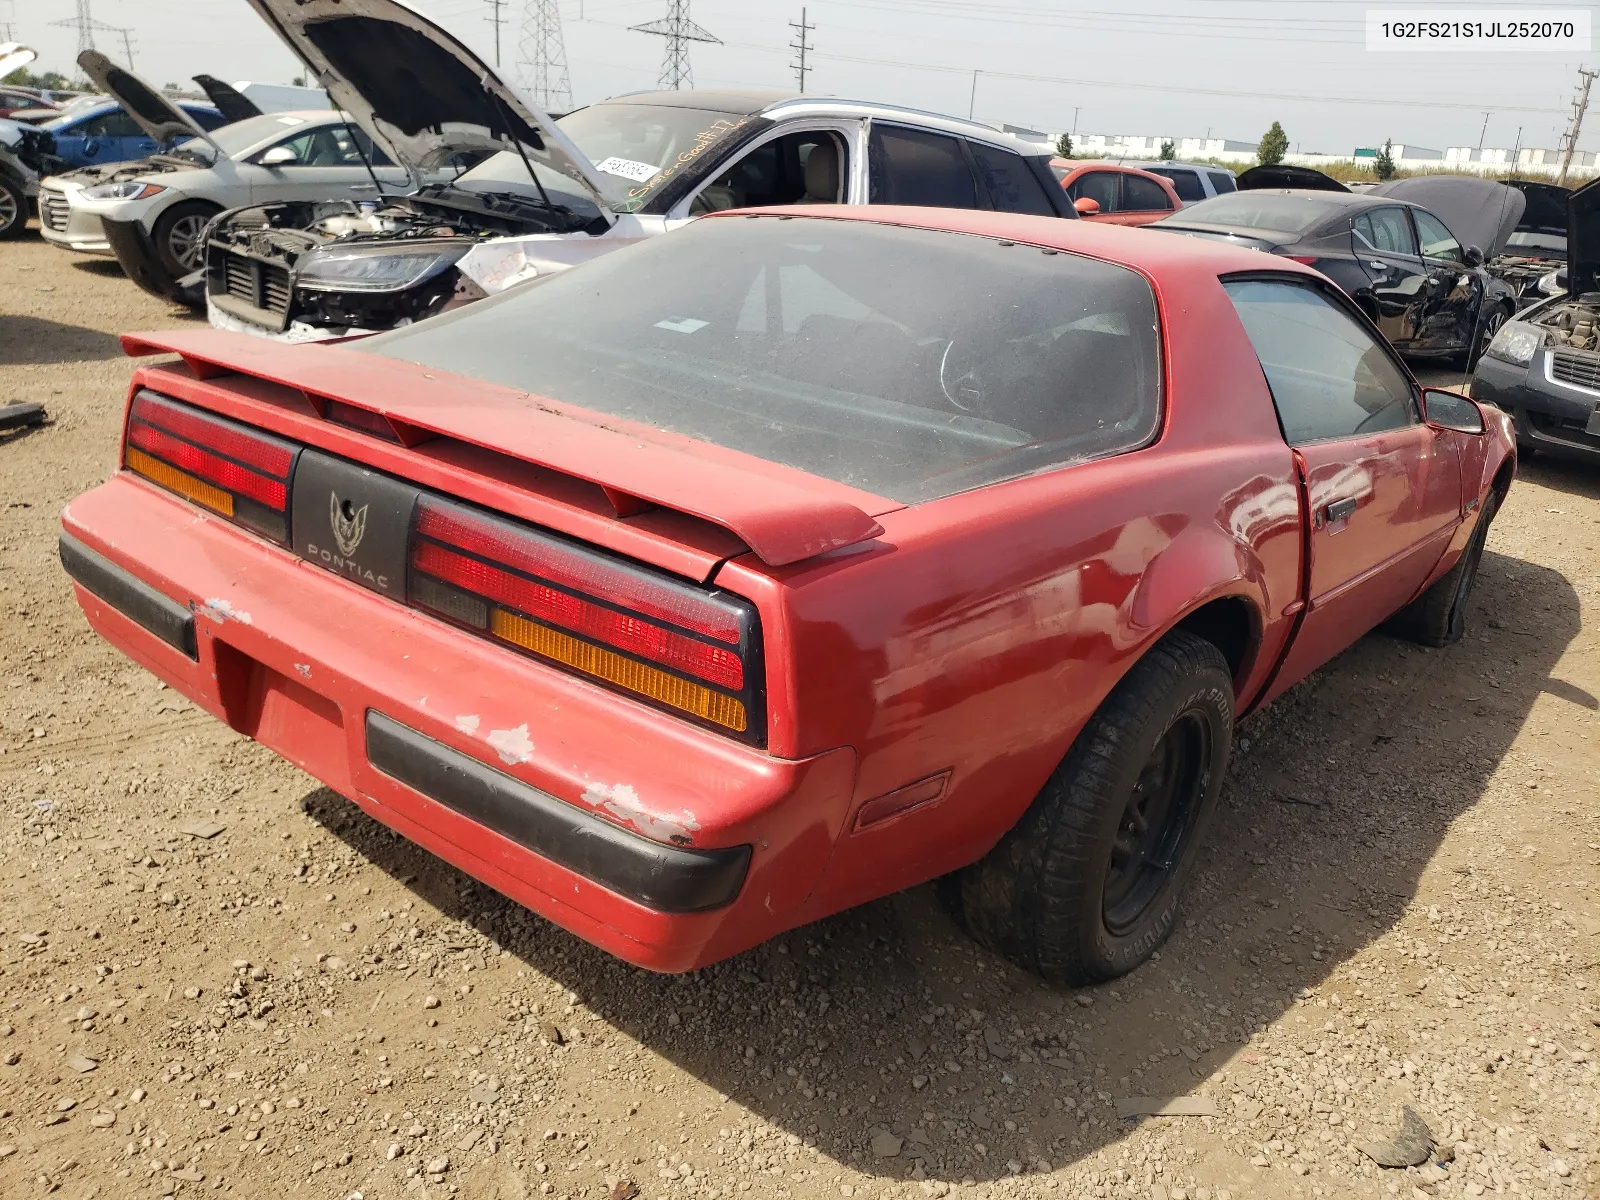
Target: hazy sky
{"points": [[1174, 67]]}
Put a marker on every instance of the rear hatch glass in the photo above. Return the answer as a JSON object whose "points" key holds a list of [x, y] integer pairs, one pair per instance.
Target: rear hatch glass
{"points": [[909, 363]]}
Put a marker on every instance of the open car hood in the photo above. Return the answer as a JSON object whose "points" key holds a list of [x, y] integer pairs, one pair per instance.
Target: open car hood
{"points": [[415, 88], [1480, 212], [1286, 175], [14, 55], [232, 104], [159, 117], [1583, 239]]}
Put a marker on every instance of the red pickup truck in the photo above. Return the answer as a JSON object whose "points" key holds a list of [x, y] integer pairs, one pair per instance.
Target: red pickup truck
{"points": [[797, 557]]}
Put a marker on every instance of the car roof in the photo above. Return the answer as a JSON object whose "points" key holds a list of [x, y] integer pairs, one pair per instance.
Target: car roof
{"points": [[1125, 246], [774, 105]]}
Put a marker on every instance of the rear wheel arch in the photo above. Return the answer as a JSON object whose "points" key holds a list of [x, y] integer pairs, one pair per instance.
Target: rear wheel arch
{"points": [[1233, 625]]}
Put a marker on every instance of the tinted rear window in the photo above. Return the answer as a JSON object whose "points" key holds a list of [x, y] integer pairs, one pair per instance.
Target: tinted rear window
{"points": [[1255, 210], [910, 363], [1221, 182], [1186, 183], [1013, 187]]}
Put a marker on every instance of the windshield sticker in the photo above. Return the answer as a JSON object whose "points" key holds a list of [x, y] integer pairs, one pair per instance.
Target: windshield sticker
{"points": [[291, 120], [707, 138], [627, 168], [681, 324]]}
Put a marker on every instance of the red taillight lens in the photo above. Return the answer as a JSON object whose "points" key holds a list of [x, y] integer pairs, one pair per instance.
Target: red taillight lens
{"points": [[229, 468], [682, 647]]}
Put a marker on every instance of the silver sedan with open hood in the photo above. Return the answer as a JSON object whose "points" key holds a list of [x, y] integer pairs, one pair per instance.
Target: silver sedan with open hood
{"points": [[544, 195]]}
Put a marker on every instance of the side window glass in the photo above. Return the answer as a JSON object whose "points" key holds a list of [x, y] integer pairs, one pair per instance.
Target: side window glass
{"points": [[111, 124], [367, 146], [1220, 182], [1099, 186], [910, 166], [1012, 186], [1387, 230], [809, 167], [1143, 195], [1329, 377], [1186, 183], [1437, 241]]}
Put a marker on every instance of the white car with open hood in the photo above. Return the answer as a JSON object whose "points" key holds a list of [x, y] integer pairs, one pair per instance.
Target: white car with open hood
{"points": [[150, 213], [553, 193]]}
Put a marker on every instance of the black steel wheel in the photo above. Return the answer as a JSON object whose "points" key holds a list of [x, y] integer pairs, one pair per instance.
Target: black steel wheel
{"points": [[1086, 885]]}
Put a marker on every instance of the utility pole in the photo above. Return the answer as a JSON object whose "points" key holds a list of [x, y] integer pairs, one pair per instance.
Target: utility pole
{"points": [[1579, 107], [542, 57], [679, 31], [1482, 133], [1075, 113], [496, 20], [84, 23], [972, 100], [802, 30], [127, 42]]}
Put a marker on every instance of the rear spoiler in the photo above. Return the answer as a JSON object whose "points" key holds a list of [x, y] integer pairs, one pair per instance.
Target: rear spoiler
{"points": [[782, 514]]}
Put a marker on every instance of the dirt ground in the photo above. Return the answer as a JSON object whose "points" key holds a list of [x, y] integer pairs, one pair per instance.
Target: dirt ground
{"points": [[1398, 907]]}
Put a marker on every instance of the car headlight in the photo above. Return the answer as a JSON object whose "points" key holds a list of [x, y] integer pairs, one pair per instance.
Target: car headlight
{"points": [[1551, 283], [128, 189], [375, 269], [1516, 343]]}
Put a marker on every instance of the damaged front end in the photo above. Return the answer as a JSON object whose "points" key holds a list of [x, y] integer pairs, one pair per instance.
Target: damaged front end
{"points": [[334, 268], [1537, 248]]}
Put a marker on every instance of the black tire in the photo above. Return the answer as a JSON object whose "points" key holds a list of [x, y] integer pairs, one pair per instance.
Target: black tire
{"points": [[177, 233], [1438, 617], [13, 210], [1489, 326], [1051, 896]]}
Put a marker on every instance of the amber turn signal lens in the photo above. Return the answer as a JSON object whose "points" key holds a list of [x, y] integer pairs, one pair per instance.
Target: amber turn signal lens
{"points": [[181, 482], [624, 672]]}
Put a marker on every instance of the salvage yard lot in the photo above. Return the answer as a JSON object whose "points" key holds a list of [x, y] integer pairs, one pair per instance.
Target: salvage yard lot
{"points": [[1399, 905]]}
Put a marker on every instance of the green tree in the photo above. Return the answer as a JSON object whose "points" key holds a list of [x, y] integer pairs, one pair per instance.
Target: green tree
{"points": [[1274, 145], [1169, 149], [299, 81], [1383, 165], [1064, 145]]}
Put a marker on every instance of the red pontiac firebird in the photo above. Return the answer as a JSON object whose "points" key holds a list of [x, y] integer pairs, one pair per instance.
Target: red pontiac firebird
{"points": [[754, 572]]}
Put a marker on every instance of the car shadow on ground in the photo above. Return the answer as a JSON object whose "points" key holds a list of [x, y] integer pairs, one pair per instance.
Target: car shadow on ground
{"points": [[1562, 475], [886, 1018], [39, 341]]}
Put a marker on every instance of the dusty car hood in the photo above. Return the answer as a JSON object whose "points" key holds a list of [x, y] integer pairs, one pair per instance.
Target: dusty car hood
{"points": [[14, 55], [159, 117], [229, 101], [1286, 175], [1583, 239], [415, 88], [1479, 212]]}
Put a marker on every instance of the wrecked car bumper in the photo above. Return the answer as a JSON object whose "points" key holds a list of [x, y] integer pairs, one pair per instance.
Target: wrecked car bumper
{"points": [[1552, 415], [668, 846], [136, 255]]}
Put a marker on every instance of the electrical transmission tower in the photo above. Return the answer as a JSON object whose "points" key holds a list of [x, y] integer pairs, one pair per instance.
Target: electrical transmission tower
{"points": [[542, 57], [1580, 105], [801, 46], [679, 31], [84, 23]]}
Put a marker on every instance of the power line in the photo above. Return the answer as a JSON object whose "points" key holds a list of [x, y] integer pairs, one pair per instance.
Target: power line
{"points": [[679, 31], [1580, 105], [802, 31], [84, 23], [542, 56], [496, 20]]}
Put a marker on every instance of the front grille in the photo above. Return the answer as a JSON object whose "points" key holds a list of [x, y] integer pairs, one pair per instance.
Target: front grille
{"points": [[1577, 368], [258, 284], [54, 210]]}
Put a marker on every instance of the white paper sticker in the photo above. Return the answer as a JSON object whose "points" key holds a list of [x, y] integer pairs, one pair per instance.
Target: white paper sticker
{"points": [[628, 169], [291, 120], [681, 324]]}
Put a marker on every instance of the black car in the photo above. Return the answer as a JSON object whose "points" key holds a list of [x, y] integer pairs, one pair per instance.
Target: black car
{"points": [[1425, 288], [1544, 367], [1537, 247]]}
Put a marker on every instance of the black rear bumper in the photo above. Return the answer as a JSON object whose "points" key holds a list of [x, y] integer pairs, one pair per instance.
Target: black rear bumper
{"points": [[669, 879], [129, 595]]}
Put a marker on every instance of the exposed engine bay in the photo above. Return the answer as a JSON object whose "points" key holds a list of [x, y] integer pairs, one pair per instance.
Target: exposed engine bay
{"points": [[1574, 324], [1523, 273], [365, 264], [34, 148]]}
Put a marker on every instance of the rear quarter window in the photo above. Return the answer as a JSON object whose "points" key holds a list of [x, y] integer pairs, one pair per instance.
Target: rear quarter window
{"points": [[1186, 183], [910, 363], [1221, 182]]}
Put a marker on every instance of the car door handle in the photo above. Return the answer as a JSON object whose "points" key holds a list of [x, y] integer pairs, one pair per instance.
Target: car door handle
{"points": [[1379, 267], [1338, 510]]}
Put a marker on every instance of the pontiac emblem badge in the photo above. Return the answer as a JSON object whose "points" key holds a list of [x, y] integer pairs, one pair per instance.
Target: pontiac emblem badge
{"points": [[347, 531]]}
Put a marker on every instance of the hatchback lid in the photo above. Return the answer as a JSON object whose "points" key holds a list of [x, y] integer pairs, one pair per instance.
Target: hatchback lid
{"points": [[414, 87], [14, 55], [159, 117]]}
